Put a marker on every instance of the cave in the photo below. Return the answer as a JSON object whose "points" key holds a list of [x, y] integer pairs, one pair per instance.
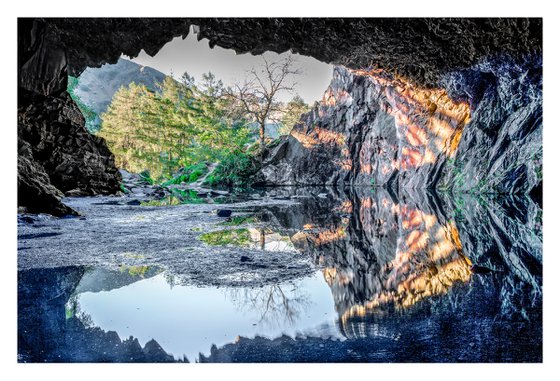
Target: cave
{"points": [[405, 207]]}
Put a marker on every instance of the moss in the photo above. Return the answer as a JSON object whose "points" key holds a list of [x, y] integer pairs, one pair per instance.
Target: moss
{"points": [[236, 237], [239, 220], [91, 118]]}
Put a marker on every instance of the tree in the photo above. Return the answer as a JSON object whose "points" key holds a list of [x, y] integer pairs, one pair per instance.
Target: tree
{"points": [[294, 109], [257, 96], [179, 125]]}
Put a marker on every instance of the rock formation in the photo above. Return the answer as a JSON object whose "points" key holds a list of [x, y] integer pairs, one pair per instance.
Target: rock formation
{"points": [[56, 154], [374, 129]]}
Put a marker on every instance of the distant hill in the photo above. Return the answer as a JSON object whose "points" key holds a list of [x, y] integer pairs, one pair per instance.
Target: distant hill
{"points": [[95, 87]]}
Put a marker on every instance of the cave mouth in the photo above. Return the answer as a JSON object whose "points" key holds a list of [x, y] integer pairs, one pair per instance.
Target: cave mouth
{"points": [[187, 111]]}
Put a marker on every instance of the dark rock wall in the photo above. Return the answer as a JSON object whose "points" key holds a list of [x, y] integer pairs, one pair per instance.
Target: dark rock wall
{"points": [[422, 49], [56, 154], [481, 132], [42, 69], [76, 161], [501, 148]]}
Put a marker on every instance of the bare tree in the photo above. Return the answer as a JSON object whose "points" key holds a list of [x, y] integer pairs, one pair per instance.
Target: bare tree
{"points": [[257, 95]]}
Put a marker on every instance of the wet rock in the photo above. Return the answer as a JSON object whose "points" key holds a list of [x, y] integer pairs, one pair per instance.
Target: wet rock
{"points": [[134, 202]]}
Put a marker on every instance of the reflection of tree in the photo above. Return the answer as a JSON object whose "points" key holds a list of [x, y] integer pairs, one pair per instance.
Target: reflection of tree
{"points": [[74, 309], [276, 304]]}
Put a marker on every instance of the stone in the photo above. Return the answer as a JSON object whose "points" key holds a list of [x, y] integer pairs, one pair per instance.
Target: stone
{"points": [[73, 159], [35, 190], [223, 213], [421, 49]]}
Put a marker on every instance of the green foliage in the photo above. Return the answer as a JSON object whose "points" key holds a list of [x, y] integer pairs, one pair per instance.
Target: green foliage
{"points": [[92, 119], [181, 125], [146, 178], [236, 237], [188, 175], [293, 111], [234, 170], [239, 220]]}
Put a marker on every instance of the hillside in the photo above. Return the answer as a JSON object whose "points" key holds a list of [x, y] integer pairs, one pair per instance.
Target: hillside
{"points": [[95, 87]]}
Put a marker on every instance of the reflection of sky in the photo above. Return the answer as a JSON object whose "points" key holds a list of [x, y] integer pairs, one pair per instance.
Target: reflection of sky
{"points": [[188, 319], [196, 58]]}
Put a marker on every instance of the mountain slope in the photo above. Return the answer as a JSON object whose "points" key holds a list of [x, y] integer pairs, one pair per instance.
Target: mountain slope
{"points": [[95, 87]]}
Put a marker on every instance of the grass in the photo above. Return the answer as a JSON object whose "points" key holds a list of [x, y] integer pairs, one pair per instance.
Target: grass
{"points": [[188, 175]]}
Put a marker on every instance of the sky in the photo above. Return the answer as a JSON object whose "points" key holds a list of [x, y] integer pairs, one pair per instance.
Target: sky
{"points": [[196, 58]]}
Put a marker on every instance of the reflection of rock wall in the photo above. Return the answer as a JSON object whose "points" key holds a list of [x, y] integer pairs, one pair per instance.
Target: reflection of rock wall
{"points": [[46, 334], [374, 129], [379, 253]]}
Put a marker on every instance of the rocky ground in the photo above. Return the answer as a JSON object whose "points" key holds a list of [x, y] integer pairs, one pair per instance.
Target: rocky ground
{"points": [[112, 231]]}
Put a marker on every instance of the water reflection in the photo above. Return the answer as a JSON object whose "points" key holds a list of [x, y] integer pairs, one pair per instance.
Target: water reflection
{"points": [[188, 320], [413, 277], [256, 238]]}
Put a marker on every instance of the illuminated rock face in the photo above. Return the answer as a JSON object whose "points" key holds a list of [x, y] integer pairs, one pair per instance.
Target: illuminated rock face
{"points": [[373, 129]]}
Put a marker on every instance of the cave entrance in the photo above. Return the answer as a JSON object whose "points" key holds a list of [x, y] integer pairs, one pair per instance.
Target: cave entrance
{"points": [[190, 109]]}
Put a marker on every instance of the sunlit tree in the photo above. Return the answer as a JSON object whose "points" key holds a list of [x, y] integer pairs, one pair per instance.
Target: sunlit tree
{"points": [[178, 125]]}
